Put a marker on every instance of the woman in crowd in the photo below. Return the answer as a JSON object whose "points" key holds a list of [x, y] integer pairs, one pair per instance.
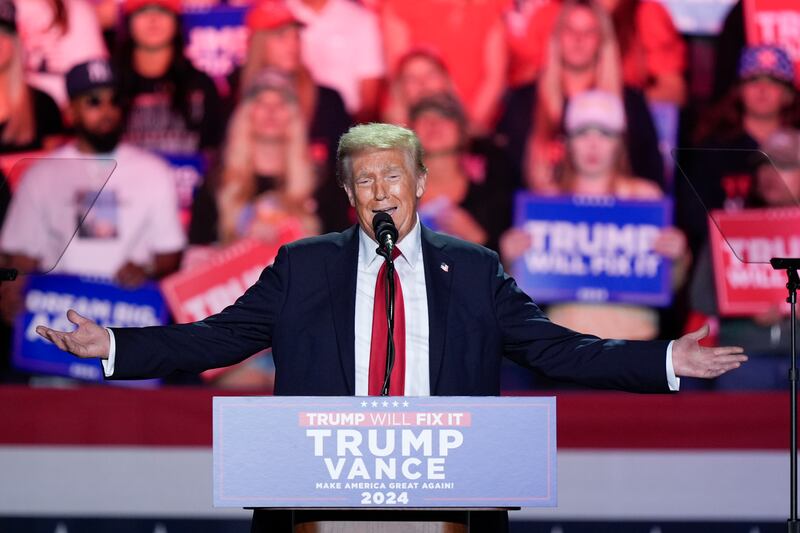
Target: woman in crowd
{"points": [[29, 118], [174, 108], [469, 37], [419, 74], [652, 51], [275, 44], [263, 190], [57, 35], [467, 192], [583, 54], [266, 180], [596, 165], [762, 102]]}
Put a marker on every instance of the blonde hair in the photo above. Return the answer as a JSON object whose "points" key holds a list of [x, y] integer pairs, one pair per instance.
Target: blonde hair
{"points": [[238, 173], [377, 136], [21, 124], [550, 97]]}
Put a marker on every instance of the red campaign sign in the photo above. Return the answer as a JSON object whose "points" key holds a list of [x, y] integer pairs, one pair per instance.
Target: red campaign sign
{"points": [[775, 22], [197, 293], [747, 285]]}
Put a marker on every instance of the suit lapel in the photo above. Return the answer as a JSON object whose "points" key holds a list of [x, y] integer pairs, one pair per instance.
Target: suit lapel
{"points": [[438, 275], [342, 271]]}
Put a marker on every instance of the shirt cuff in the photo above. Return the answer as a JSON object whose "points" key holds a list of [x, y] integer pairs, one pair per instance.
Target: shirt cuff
{"points": [[673, 381], [108, 364]]}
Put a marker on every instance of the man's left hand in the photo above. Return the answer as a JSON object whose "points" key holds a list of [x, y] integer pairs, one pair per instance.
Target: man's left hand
{"points": [[689, 359]]}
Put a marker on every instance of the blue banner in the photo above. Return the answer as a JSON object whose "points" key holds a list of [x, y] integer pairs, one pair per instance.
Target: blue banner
{"points": [[216, 40], [46, 301], [189, 174], [397, 452], [593, 249]]}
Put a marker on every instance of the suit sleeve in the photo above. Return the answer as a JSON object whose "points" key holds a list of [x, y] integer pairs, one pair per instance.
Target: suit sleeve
{"points": [[237, 332], [532, 340]]}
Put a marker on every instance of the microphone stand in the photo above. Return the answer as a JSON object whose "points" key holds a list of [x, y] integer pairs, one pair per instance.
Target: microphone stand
{"points": [[791, 267], [386, 253]]}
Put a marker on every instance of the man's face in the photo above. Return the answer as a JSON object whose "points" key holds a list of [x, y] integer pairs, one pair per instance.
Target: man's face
{"points": [[385, 180], [97, 111], [97, 117]]}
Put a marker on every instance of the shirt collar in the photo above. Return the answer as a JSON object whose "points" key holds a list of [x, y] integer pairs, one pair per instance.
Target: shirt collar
{"points": [[410, 248]]}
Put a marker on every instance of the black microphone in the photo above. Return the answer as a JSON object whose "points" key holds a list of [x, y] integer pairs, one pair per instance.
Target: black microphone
{"points": [[385, 231]]}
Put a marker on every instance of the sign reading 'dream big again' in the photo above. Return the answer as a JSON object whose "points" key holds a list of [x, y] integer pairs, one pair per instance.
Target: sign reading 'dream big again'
{"points": [[384, 452], [593, 249], [46, 301]]}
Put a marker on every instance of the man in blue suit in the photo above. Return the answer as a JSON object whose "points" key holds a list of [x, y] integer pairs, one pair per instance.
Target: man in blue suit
{"points": [[315, 306]]}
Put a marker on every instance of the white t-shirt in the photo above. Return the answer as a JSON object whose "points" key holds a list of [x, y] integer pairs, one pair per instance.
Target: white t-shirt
{"points": [[134, 217], [341, 46], [49, 52]]}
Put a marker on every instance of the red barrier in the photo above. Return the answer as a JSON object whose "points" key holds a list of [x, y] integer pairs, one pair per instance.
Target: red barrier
{"points": [[182, 417]]}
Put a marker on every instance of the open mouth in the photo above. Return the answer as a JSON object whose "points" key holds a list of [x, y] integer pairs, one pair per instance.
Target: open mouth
{"points": [[389, 210]]}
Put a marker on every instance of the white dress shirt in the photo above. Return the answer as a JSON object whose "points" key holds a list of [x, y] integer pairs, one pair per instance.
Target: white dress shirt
{"points": [[411, 270]]}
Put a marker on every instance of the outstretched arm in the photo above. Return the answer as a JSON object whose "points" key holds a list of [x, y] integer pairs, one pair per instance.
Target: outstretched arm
{"points": [[695, 361], [224, 339], [637, 366]]}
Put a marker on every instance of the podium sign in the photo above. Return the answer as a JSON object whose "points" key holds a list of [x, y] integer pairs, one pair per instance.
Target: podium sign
{"points": [[384, 452]]}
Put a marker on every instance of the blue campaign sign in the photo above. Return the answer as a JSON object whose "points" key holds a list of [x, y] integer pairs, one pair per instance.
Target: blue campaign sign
{"points": [[189, 173], [398, 452], [593, 249], [46, 301], [216, 39]]}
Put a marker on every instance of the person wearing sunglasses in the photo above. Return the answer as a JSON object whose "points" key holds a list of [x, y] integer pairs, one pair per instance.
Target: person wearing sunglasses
{"points": [[132, 232]]}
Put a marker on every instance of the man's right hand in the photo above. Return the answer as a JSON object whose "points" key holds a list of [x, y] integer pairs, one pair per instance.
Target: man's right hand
{"points": [[89, 340]]}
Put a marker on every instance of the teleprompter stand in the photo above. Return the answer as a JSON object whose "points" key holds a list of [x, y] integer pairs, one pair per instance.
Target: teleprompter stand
{"points": [[791, 266]]}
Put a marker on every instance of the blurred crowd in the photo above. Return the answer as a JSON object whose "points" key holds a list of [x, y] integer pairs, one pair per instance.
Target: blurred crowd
{"points": [[553, 97]]}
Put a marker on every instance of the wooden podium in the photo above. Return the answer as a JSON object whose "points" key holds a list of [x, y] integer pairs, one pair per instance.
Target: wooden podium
{"points": [[380, 465]]}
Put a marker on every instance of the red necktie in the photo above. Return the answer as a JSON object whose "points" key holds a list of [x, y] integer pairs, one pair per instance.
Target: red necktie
{"points": [[380, 329]]}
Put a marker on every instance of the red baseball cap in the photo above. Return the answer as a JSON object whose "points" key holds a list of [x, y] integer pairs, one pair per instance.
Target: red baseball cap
{"points": [[129, 6], [268, 15]]}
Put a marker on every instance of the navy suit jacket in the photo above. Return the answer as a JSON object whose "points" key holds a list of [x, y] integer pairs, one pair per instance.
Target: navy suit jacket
{"points": [[303, 306]]}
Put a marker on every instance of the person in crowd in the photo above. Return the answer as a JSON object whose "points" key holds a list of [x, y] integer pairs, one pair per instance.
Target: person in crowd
{"points": [[29, 118], [266, 179], [766, 334], [174, 108], [583, 54], [468, 193], [763, 101], [652, 51], [342, 48], [275, 43], [132, 233], [596, 165], [57, 35], [418, 74], [470, 39], [262, 190]]}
